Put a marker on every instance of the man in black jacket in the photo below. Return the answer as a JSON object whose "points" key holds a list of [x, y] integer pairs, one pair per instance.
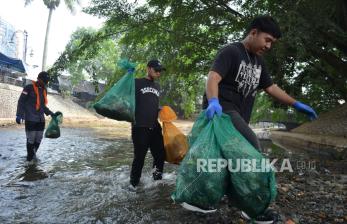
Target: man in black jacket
{"points": [[146, 131], [31, 108]]}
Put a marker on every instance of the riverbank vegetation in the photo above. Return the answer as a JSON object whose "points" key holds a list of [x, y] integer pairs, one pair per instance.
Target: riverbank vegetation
{"points": [[309, 62]]}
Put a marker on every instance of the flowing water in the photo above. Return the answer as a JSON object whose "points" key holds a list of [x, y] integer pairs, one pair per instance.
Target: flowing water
{"points": [[83, 177]]}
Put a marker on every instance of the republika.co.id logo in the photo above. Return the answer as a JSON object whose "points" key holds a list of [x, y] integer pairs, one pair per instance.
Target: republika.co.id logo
{"points": [[242, 165]]}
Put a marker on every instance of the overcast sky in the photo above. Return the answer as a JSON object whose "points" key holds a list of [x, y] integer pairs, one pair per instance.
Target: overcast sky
{"points": [[33, 19]]}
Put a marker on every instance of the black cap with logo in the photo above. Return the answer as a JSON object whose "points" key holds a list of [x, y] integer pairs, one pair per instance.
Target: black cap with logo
{"points": [[156, 65]]}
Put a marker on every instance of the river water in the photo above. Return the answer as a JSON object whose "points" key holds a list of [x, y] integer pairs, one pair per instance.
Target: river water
{"points": [[83, 177]]}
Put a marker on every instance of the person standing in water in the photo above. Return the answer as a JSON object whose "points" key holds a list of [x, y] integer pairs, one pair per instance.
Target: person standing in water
{"points": [[32, 105], [146, 131]]}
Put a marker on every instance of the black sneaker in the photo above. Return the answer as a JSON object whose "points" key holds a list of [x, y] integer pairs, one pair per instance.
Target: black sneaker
{"points": [[270, 216], [134, 183], [157, 175]]}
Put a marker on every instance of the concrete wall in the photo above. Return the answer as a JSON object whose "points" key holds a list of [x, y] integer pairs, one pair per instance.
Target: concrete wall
{"points": [[9, 95]]}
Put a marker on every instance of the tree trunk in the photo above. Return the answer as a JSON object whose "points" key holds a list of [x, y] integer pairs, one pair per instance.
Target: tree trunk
{"points": [[45, 49]]}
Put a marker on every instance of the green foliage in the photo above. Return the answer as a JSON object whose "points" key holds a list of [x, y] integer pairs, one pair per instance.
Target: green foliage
{"points": [[182, 35], [309, 62], [181, 92], [265, 110], [95, 62], [65, 94], [313, 51]]}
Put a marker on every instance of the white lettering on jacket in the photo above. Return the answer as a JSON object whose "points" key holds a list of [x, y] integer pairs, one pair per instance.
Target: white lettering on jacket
{"points": [[149, 90]]}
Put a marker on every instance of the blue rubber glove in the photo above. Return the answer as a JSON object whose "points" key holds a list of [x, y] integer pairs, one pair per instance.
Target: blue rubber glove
{"points": [[19, 119], [213, 108], [305, 109]]}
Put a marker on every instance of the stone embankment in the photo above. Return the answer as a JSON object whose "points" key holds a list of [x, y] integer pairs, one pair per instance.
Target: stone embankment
{"points": [[74, 114], [327, 135]]}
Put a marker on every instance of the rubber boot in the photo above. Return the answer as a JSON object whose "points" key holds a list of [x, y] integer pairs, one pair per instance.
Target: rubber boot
{"points": [[36, 145], [30, 151]]}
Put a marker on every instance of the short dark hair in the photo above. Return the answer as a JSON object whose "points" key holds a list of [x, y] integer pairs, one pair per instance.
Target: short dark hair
{"points": [[265, 24]]}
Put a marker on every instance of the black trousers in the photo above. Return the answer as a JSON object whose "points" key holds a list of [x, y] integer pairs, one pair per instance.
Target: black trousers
{"points": [[242, 126], [144, 138]]}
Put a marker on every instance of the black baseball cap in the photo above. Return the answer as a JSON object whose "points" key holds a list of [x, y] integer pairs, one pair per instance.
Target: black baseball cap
{"points": [[156, 65]]}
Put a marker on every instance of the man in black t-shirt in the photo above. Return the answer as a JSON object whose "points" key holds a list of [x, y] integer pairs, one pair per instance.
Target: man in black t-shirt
{"points": [[146, 131], [238, 72]]}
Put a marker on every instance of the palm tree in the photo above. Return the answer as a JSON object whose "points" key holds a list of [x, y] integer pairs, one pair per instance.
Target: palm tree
{"points": [[52, 5]]}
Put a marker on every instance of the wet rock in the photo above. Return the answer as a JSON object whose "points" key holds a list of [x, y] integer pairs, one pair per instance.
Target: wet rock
{"points": [[343, 179], [322, 215], [241, 221], [295, 218], [312, 183], [299, 179], [301, 194], [313, 173], [312, 203], [327, 182], [289, 221], [283, 189], [326, 171]]}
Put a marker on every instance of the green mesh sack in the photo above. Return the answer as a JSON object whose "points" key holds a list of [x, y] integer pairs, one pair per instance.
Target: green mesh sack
{"points": [[198, 188], [53, 129], [251, 192], [251, 189], [119, 102]]}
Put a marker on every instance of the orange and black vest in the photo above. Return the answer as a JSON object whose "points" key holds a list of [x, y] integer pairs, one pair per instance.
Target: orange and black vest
{"points": [[36, 90]]}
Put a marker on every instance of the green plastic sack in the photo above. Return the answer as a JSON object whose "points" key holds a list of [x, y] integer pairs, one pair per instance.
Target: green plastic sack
{"points": [[251, 192], [119, 102], [202, 189], [53, 129]]}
